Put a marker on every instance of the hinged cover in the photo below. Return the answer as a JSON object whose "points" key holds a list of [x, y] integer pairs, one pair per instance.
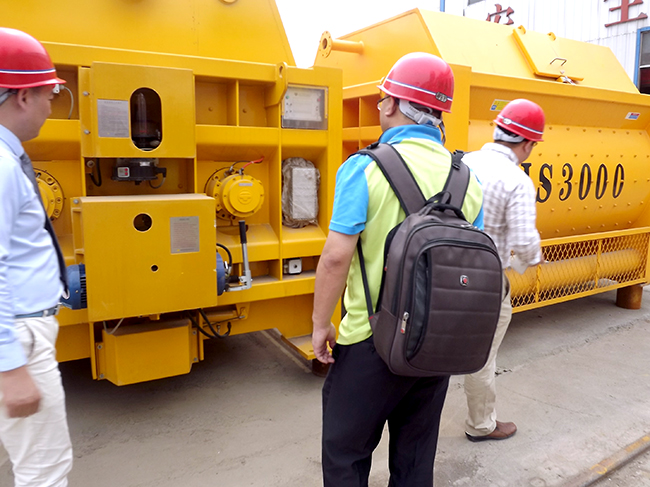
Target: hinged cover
{"points": [[548, 55]]}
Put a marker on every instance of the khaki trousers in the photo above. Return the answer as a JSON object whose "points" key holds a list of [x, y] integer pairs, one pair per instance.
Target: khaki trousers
{"points": [[39, 446], [480, 387]]}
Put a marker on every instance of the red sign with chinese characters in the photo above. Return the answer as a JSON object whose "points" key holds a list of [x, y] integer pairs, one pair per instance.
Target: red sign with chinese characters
{"points": [[624, 7], [500, 11]]}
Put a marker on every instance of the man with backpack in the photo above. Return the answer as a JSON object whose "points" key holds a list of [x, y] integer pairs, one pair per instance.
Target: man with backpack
{"points": [[510, 219], [360, 393]]}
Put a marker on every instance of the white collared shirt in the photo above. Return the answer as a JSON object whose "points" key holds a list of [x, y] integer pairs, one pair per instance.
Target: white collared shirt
{"points": [[508, 203]]}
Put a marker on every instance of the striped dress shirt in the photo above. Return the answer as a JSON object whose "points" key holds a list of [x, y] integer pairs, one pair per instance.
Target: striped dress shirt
{"points": [[508, 203]]}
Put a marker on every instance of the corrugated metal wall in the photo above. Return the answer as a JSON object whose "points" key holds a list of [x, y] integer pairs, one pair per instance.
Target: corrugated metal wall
{"points": [[582, 20]]}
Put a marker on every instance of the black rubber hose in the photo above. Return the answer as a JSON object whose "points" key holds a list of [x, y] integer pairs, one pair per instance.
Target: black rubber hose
{"points": [[215, 332], [229, 254], [199, 327]]}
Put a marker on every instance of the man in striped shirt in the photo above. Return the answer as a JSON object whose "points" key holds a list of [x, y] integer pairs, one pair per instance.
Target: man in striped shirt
{"points": [[509, 213]]}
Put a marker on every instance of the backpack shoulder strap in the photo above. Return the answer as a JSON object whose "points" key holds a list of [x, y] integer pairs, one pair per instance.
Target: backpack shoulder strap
{"points": [[398, 174], [458, 180]]}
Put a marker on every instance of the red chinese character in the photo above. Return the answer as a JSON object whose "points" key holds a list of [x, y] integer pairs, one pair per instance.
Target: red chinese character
{"points": [[497, 15], [625, 12]]}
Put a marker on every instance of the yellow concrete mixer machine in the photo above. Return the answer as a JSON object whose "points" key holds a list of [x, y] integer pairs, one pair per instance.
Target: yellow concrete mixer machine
{"points": [[188, 167], [592, 172]]}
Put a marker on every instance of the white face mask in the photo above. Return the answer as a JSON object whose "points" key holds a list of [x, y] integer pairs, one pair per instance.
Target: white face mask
{"points": [[418, 116], [499, 134]]}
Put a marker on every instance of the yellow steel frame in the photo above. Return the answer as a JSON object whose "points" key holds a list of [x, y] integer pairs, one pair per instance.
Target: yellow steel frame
{"points": [[590, 173], [221, 82]]}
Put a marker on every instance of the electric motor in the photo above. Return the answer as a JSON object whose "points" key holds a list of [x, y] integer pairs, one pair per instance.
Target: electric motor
{"points": [[236, 196]]}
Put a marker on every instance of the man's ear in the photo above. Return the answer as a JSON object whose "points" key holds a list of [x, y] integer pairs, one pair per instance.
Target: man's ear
{"points": [[391, 107], [23, 96]]}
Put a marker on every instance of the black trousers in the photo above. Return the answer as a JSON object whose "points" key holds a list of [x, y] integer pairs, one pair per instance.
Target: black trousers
{"points": [[360, 394]]}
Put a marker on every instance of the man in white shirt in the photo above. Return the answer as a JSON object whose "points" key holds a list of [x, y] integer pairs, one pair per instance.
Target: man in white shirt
{"points": [[510, 219], [33, 423]]}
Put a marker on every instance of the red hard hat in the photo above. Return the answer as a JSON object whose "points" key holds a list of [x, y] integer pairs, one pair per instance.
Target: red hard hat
{"points": [[421, 78], [24, 62], [523, 117]]}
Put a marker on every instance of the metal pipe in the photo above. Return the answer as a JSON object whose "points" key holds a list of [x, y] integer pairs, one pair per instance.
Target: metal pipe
{"points": [[562, 273], [245, 280], [327, 45]]}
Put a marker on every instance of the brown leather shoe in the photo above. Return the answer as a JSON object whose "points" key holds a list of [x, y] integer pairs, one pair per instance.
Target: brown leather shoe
{"points": [[503, 431]]}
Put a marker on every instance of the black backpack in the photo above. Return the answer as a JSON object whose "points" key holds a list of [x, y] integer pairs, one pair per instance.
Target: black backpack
{"points": [[441, 289]]}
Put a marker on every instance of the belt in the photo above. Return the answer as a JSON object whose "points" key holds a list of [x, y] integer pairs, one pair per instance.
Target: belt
{"points": [[41, 314]]}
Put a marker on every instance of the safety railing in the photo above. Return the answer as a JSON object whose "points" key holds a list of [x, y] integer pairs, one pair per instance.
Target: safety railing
{"points": [[581, 266]]}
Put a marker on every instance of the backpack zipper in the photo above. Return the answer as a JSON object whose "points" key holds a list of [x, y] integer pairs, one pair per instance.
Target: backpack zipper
{"points": [[469, 226], [460, 243], [405, 318]]}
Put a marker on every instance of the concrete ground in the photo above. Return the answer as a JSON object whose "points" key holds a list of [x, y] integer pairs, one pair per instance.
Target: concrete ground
{"points": [[636, 473], [575, 377]]}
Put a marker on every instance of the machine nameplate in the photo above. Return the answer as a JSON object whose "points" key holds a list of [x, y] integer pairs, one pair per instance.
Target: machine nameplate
{"points": [[184, 234], [113, 118], [304, 108]]}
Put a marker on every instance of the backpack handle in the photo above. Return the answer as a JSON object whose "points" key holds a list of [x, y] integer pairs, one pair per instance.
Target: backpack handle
{"points": [[442, 207], [442, 202]]}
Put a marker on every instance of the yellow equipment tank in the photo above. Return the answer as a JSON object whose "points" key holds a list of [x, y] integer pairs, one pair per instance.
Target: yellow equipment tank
{"points": [[591, 170], [161, 168]]}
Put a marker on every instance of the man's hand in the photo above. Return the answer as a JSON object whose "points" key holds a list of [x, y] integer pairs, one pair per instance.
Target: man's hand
{"points": [[331, 273], [320, 337], [19, 393]]}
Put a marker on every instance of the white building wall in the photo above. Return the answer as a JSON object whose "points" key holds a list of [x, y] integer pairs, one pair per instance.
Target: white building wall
{"points": [[582, 20]]}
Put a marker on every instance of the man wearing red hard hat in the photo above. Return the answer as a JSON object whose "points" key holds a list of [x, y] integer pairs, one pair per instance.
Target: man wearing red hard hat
{"points": [[33, 423], [510, 219], [361, 394]]}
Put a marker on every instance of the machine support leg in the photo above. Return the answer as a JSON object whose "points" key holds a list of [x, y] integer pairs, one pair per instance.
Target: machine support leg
{"points": [[629, 297]]}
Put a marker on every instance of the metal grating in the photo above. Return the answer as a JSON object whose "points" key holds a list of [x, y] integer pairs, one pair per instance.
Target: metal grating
{"points": [[579, 268]]}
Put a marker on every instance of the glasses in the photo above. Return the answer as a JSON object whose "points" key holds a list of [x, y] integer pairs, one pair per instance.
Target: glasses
{"points": [[380, 100], [6, 94]]}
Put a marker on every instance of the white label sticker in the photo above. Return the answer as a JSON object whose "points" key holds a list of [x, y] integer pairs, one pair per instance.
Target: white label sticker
{"points": [[113, 118], [632, 116], [304, 193], [184, 234], [304, 104]]}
